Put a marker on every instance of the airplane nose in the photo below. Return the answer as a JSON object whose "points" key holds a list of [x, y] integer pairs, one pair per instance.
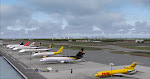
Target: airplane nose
{"points": [[11, 47], [21, 51], [33, 55], [96, 75], [7, 46], [41, 60], [46, 49], [14, 49]]}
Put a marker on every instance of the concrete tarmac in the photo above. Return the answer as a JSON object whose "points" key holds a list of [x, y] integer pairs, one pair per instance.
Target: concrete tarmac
{"points": [[96, 60], [22, 67]]}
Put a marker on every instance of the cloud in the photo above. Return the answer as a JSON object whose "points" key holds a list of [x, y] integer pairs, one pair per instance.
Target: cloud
{"points": [[16, 22], [83, 15], [142, 27], [53, 18], [13, 16]]}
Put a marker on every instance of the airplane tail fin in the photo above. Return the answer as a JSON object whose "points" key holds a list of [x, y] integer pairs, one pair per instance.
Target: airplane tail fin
{"points": [[21, 43], [40, 44], [132, 66], [26, 44], [80, 54], [59, 51], [50, 46], [32, 44]]}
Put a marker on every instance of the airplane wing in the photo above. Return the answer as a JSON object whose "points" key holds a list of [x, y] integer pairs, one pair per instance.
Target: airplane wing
{"points": [[133, 72], [80, 60], [119, 74]]}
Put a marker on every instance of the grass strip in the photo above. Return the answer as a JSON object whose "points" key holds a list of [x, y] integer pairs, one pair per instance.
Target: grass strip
{"points": [[140, 48], [77, 47], [145, 54]]}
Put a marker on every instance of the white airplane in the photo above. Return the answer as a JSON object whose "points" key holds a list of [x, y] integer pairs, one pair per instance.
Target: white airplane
{"points": [[45, 54], [63, 59], [35, 50], [26, 47], [13, 46]]}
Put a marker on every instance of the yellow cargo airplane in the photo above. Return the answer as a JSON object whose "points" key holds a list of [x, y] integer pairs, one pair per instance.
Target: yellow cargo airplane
{"points": [[118, 72], [45, 54]]}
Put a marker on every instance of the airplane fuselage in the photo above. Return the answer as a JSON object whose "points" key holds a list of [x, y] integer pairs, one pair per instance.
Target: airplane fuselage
{"points": [[118, 72], [11, 45], [57, 59], [32, 50], [63, 59], [14, 46], [24, 47], [43, 54], [108, 73]]}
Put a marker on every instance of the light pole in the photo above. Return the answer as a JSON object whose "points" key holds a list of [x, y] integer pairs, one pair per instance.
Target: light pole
{"points": [[111, 64], [31, 59], [70, 63]]}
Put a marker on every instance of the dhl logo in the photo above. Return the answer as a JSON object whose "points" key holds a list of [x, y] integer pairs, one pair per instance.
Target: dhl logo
{"points": [[132, 66], [107, 73]]}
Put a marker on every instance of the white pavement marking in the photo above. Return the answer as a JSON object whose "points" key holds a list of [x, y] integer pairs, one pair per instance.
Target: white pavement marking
{"points": [[15, 68], [22, 65], [12, 58]]}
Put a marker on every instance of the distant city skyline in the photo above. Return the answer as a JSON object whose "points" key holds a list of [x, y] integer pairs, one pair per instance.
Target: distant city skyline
{"points": [[75, 19]]}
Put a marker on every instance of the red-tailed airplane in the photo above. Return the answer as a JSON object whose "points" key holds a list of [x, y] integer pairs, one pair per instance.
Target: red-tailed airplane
{"points": [[13, 46]]}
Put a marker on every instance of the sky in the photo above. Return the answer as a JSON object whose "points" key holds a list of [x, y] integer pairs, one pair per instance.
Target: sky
{"points": [[74, 18]]}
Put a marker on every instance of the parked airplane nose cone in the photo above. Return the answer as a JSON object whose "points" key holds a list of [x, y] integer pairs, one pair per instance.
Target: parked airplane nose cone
{"points": [[14, 49], [7, 45], [96, 75], [21, 51], [41, 59], [33, 55], [10, 47]]}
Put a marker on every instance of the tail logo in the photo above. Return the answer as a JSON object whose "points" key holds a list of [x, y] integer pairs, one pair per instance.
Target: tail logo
{"points": [[50, 46], [39, 44], [59, 51], [81, 51], [27, 44]]}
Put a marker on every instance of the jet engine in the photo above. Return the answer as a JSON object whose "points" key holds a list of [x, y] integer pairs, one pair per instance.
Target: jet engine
{"points": [[62, 61], [129, 70]]}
